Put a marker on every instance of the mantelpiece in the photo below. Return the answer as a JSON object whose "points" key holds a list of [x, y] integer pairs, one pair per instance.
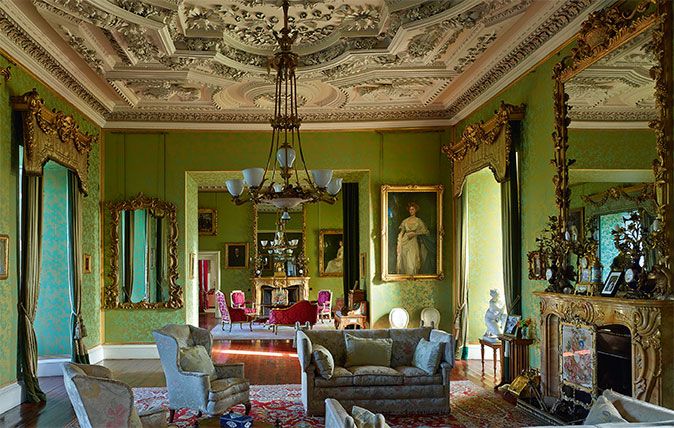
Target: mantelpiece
{"points": [[302, 282], [649, 323]]}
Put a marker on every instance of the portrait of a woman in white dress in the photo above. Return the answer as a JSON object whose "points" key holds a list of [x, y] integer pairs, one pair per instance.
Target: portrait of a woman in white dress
{"points": [[411, 252], [336, 265]]}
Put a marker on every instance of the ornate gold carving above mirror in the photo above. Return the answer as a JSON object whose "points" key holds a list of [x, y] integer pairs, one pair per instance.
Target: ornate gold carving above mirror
{"points": [[143, 255], [616, 83], [50, 134], [484, 144]]}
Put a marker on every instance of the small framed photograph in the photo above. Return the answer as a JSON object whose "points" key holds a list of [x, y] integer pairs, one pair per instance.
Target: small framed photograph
{"points": [[87, 263], [612, 283], [4, 256], [537, 265], [236, 255], [511, 324], [208, 221]]}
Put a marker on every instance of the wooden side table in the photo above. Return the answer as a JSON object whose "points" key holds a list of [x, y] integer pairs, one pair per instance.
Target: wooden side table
{"points": [[495, 346], [343, 321], [518, 357]]}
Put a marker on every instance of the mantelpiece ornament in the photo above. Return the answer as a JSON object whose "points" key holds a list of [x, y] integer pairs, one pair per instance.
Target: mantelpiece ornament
{"points": [[161, 209], [484, 144], [644, 319], [603, 32], [6, 73], [52, 135]]}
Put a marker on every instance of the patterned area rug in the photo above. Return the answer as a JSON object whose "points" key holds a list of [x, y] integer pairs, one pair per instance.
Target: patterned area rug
{"points": [[472, 406], [261, 332]]}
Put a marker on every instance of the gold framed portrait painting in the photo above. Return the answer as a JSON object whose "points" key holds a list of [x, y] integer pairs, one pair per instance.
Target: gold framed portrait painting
{"points": [[236, 255], [331, 252], [412, 232], [208, 221]]}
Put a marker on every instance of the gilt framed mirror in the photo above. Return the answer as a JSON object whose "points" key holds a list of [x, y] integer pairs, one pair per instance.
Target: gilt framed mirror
{"points": [[613, 136], [143, 255], [268, 260]]}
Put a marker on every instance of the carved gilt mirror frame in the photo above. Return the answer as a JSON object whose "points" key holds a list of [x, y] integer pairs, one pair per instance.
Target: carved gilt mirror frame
{"points": [[602, 33], [162, 209]]}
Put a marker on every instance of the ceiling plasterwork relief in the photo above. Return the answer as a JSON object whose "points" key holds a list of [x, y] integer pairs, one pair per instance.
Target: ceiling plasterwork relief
{"points": [[201, 61]]}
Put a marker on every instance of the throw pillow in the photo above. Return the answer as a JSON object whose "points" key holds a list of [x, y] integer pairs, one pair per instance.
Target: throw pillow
{"points": [[367, 352], [196, 359], [364, 418], [603, 412], [427, 356], [325, 364]]}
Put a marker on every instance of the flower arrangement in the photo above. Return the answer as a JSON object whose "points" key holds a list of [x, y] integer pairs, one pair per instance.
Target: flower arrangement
{"points": [[522, 327]]}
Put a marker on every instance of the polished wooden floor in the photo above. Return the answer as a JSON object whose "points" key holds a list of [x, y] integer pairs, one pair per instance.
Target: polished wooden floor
{"points": [[266, 362]]}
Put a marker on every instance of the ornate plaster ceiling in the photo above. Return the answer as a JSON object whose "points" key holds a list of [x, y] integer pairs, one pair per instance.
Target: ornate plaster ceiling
{"points": [[206, 60], [618, 87]]}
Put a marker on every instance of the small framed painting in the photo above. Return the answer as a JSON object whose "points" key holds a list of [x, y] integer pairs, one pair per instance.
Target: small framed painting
{"points": [[236, 255], [4, 256], [331, 252], [193, 266], [612, 283], [537, 265], [87, 263], [208, 221], [577, 224], [511, 324], [363, 265]]}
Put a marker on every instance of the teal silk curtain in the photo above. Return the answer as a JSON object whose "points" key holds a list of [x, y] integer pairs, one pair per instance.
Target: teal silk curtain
{"points": [[78, 330], [460, 253], [30, 285]]}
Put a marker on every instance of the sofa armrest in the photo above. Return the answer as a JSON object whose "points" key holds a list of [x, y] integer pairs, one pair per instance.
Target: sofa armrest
{"points": [[336, 416], [229, 370], [304, 350], [445, 369], [448, 340], [96, 371]]}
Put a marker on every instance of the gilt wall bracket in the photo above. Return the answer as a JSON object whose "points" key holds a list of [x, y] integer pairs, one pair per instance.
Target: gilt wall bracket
{"points": [[52, 135], [484, 144]]}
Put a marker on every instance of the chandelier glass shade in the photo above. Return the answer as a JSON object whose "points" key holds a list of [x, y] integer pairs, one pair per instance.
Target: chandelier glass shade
{"points": [[278, 183]]}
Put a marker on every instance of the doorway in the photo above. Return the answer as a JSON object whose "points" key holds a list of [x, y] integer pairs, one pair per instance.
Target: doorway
{"points": [[208, 275]]}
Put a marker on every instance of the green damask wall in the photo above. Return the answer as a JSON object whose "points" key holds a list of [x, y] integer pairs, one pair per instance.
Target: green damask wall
{"points": [[157, 164], [20, 83], [236, 225], [485, 247]]}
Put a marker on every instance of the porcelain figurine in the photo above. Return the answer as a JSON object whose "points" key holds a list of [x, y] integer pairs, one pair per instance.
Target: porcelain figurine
{"points": [[495, 316]]}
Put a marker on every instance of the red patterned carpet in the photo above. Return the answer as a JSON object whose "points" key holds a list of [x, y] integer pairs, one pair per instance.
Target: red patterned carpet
{"points": [[472, 406]]}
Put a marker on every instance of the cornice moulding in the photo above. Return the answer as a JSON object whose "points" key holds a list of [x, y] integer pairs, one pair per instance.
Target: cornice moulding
{"points": [[579, 124]]}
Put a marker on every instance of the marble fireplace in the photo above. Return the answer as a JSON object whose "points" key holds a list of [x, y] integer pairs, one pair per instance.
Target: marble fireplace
{"points": [[299, 283], [632, 350]]}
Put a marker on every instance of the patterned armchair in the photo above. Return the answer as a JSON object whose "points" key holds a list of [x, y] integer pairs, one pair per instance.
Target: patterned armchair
{"points": [[303, 312], [197, 391], [238, 299], [231, 315], [325, 304], [101, 401]]}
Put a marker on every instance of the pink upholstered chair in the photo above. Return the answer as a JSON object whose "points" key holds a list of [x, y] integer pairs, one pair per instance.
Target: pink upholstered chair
{"points": [[239, 301], [231, 315], [325, 305]]}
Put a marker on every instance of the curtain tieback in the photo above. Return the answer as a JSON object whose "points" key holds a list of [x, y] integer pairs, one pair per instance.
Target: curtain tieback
{"points": [[80, 329], [24, 312]]}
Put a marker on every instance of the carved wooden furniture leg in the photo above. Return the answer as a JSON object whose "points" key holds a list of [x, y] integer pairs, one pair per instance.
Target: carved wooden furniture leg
{"points": [[247, 405], [172, 414]]}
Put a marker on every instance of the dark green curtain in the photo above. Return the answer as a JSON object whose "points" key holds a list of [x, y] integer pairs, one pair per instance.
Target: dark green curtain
{"points": [[77, 328], [351, 237], [460, 252], [29, 288], [511, 227], [128, 253]]}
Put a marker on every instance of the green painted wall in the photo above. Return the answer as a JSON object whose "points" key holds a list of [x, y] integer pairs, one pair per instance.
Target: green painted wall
{"points": [[157, 164], [52, 322], [20, 83], [612, 148], [485, 247]]}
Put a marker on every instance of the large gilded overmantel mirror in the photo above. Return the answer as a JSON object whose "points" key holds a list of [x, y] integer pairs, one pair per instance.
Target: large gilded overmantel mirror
{"points": [[613, 149], [143, 255], [279, 242]]}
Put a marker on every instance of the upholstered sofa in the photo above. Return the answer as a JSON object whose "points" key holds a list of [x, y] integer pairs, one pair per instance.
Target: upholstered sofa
{"points": [[398, 389], [303, 312]]}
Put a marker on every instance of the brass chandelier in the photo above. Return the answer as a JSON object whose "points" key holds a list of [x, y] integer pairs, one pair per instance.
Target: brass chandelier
{"points": [[279, 183]]}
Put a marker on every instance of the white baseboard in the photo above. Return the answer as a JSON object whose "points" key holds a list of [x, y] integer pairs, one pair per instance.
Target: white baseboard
{"points": [[474, 353], [96, 354], [47, 367], [10, 396], [130, 352]]}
